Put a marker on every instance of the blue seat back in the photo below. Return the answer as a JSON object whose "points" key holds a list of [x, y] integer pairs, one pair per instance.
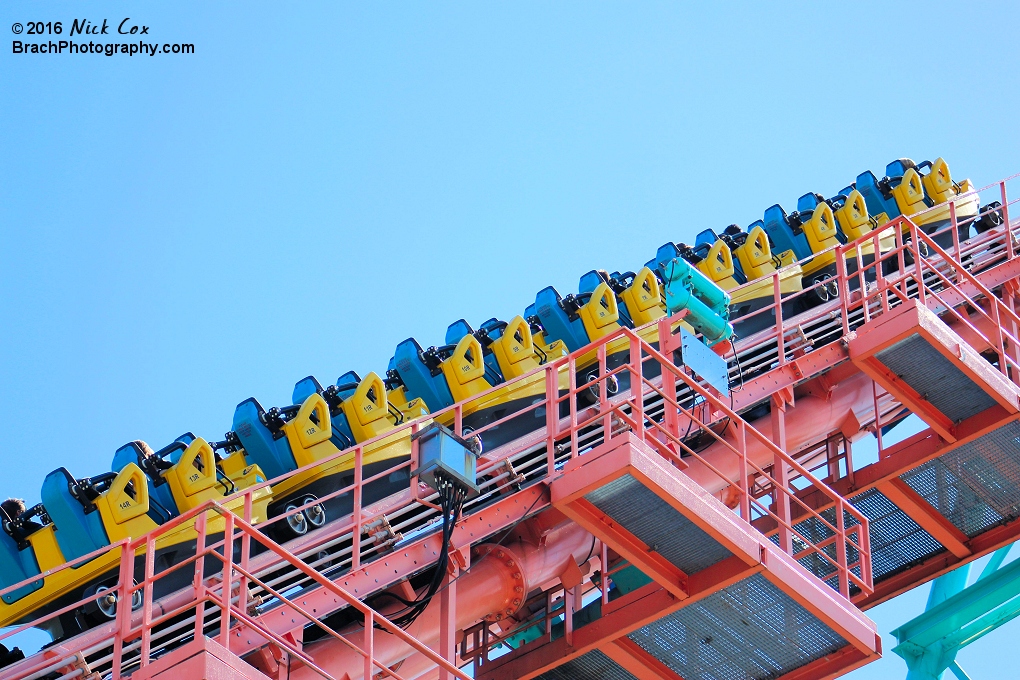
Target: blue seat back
{"points": [[807, 203], [896, 169], [666, 253], [777, 226], [185, 439], [130, 453], [418, 379], [341, 428], [456, 331], [273, 456], [15, 566], [305, 388], [345, 381], [589, 282], [494, 327], [867, 184], [557, 323], [78, 533], [707, 237]]}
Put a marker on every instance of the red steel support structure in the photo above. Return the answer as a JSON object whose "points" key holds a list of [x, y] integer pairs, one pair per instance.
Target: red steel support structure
{"points": [[652, 534]]}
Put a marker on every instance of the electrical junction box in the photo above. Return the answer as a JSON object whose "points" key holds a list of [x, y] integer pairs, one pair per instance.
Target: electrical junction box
{"points": [[442, 452]]}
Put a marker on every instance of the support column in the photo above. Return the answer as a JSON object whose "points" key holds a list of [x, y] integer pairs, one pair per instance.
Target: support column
{"points": [[780, 469]]}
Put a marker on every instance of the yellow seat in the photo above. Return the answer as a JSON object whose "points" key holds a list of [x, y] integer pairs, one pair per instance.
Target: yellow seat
{"points": [[643, 298], [941, 188], [123, 506], [756, 261], [717, 265], [820, 232], [515, 349]]}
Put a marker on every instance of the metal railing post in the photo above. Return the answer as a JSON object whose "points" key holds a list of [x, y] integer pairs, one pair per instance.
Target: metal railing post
{"points": [[552, 393], [201, 525], [227, 579], [359, 472], [1005, 220]]}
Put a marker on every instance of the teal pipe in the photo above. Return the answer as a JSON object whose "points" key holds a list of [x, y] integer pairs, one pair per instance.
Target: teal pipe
{"points": [[707, 305], [683, 272], [705, 321]]}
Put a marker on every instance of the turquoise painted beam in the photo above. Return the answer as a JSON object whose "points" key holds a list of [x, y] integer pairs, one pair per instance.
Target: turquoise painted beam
{"points": [[957, 615], [961, 609]]}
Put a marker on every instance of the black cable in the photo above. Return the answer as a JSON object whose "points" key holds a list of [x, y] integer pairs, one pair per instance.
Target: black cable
{"points": [[451, 498], [592, 551], [740, 371], [506, 534]]}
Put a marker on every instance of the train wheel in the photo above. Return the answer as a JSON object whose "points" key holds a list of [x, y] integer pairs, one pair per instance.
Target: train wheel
{"points": [[474, 440], [314, 514], [104, 608], [323, 560], [611, 383], [296, 523]]}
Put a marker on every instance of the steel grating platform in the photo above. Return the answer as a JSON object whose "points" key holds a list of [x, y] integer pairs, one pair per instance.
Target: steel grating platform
{"points": [[935, 378], [725, 604], [655, 523], [594, 665], [976, 485], [897, 541], [932, 371], [751, 629]]}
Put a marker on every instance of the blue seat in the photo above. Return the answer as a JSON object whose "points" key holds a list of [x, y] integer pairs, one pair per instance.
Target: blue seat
{"points": [[494, 327], [346, 384], [734, 237], [589, 282], [557, 323], [665, 253], [877, 200], [807, 204], [342, 437], [16, 565], [421, 381], [271, 454], [78, 531], [708, 237], [782, 235], [703, 243], [158, 493], [456, 331], [898, 167], [305, 388]]}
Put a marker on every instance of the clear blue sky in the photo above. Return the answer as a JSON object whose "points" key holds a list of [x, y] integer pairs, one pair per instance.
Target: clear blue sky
{"points": [[320, 181]]}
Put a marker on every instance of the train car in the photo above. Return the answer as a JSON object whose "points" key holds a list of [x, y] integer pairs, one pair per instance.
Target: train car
{"points": [[81, 516], [458, 372], [751, 255], [914, 189], [808, 237]]}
